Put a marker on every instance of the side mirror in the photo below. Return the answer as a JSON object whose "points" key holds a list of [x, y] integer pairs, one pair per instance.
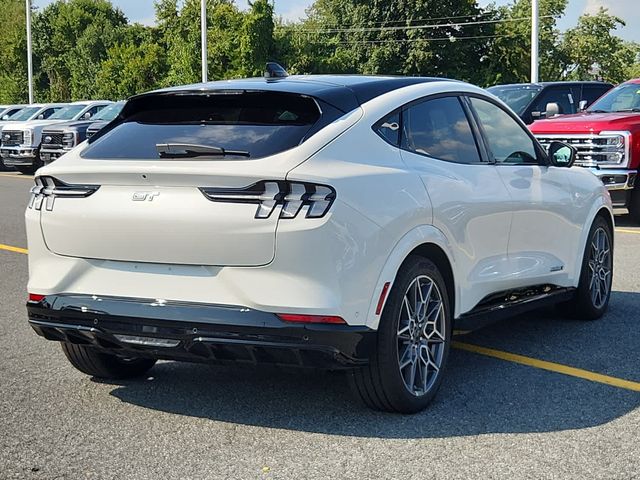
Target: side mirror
{"points": [[582, 106], [87, 116], [552, 110], [41, 116], [5, 117], [561, 154]]}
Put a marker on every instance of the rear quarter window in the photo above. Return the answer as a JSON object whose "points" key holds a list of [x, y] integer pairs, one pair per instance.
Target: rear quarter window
{"points": [[259, 123]]}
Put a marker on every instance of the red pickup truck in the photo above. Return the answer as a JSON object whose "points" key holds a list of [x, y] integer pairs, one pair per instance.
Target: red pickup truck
{"points": [[607, 138]]}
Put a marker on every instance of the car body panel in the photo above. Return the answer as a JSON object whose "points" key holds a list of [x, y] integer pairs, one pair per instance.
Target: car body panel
{"points": [[387, 205]]}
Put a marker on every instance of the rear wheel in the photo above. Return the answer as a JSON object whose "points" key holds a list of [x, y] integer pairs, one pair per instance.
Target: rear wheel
{"points": [[594, 290], [103, 365], [414, 335]]}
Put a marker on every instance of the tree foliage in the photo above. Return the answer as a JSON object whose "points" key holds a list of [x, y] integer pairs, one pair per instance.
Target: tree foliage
{"points": [[509, 55], [88, 48], [13, 42], [593, 52]]}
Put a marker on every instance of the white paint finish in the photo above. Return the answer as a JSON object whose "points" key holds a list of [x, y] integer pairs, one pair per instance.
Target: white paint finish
{"points": [[389, 203], [544, 233], [472, 207], [179, 225]]}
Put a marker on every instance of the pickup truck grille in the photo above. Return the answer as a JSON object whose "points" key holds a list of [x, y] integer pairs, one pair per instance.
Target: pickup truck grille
{"points": [[610, 149], [51, 140], [12, 138]]}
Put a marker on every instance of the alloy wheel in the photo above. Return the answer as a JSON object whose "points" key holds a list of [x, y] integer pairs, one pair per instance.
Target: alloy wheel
{"points": [[421, 335], [600, 268]]}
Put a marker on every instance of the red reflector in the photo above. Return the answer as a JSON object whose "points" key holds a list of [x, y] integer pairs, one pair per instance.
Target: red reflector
{"points": [[383, 296], [310, 318], [34, 297]]}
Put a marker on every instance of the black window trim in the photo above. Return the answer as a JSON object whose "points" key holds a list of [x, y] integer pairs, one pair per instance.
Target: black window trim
{"points": [[542, 157], [459, 95]]}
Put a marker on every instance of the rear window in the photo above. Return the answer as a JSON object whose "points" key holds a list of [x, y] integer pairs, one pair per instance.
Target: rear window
{"points": [[258, 124]]}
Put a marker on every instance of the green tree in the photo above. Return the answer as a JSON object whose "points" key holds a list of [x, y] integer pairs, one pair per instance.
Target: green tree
{"points": [[509, 55], [225, 22], [407, 37], [71, 38], [593, 52], [256, 40], [181, 33], [131, 68], [13, 60]]}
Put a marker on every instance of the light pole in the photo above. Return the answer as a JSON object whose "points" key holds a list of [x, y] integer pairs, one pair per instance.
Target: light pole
{"points": [[29, 52], [534, 41], [203, 24]]}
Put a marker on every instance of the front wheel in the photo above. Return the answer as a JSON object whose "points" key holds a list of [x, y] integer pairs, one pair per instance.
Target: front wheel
{"points": [[104, 365], [591, 299], [414, 336]]}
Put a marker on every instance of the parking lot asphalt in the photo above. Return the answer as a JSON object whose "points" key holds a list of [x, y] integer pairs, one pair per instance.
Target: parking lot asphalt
{"points": [[494, 417]]}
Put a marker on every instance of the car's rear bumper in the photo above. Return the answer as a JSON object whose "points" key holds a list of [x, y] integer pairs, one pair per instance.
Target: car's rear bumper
{"points": [[197, 332]]}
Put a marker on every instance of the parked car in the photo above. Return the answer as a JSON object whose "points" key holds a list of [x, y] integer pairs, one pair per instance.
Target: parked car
{"points": [[104, 118], [60, 138], [23, 139], [607, 139], [12, 139], [533, 101], [7, 111], [328, 221]]}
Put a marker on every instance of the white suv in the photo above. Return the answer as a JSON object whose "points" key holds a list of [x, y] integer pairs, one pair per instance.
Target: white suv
{"points": [[326, 221]]}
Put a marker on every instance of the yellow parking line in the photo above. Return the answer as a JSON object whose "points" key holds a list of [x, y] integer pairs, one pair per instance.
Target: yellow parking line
{"points": [[9, 248], [24, 177], [550, 366], [625, 230]]}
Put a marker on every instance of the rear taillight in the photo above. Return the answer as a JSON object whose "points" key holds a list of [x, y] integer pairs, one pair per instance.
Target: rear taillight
{"points": [[47, 189], [295, 318], [315, 199], [35, 298]]}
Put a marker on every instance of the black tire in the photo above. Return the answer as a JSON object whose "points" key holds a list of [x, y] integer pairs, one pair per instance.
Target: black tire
{"points": [[634, 205], [381, 385], [583, 306], [103, 365]]}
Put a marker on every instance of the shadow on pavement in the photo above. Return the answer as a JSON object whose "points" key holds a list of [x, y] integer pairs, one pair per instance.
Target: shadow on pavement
{"points": [[479, 395], [624, 220]]}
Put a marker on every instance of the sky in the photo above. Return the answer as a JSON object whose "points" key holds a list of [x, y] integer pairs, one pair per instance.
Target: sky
{"points": [[142, 11]]}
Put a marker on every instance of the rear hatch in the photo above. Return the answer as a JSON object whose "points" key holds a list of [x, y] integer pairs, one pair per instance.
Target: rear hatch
{"points": [[184, 178]]}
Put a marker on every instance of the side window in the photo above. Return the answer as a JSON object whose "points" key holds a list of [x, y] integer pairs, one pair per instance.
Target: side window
{"points": [[439, 128], [506, 140], [48, 112], [592, 93], [95, 110], [560, 95], [389, 128]]}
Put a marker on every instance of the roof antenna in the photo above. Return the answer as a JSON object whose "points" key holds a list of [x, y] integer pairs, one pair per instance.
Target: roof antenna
{"points": [[275, 70]]}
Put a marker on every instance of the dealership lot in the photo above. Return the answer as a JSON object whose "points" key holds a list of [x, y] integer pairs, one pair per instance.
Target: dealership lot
{"points": [[494, 417]]}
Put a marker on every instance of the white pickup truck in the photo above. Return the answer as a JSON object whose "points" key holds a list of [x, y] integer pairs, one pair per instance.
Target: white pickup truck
{"points": [[21, 140]]}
